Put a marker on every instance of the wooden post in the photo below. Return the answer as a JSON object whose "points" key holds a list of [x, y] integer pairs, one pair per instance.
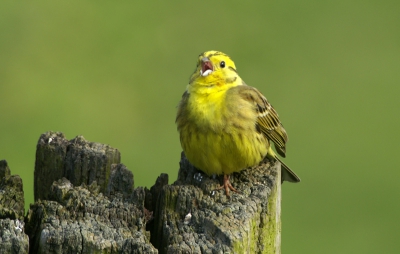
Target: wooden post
{"points": [[193, 218], [79, 215]]}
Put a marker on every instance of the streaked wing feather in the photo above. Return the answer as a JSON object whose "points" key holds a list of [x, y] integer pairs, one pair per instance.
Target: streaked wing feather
{"points": [[268, 120]]}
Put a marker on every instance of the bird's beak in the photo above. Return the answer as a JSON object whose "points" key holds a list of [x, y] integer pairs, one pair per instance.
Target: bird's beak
{"points": [[206, 67]]}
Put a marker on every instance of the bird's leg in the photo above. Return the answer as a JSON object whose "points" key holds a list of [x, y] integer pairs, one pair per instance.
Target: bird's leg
{"points": [[227, 186]]}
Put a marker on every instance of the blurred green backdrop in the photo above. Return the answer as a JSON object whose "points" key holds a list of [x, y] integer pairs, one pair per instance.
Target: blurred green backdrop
{"points": [[115, 71]]}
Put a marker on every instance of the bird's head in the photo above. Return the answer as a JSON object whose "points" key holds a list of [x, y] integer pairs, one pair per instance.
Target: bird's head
{"points": [[215, 69]]}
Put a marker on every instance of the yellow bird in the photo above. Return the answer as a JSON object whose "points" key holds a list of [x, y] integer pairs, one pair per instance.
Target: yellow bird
{"points": [[226, 126]]}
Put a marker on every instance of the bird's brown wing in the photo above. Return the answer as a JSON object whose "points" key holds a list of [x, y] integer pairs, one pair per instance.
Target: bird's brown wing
{"points": [[268, 120]]}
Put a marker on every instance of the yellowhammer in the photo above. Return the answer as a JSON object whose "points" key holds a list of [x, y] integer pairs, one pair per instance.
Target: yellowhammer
{"points": [[225, 125]]}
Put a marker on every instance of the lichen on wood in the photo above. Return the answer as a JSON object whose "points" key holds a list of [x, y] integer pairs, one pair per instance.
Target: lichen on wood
{"points": [[12, 236]]}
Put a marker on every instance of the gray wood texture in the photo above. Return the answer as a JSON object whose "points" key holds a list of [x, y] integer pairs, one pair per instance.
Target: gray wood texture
{"points": [[86, 202]]}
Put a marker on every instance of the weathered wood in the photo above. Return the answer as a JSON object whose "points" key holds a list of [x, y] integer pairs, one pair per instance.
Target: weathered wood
{"points": [[83, 220], [92, 207], [12, 236], [248, 222], [11, 194], [76, 214], [80, 161], [121, 181]]}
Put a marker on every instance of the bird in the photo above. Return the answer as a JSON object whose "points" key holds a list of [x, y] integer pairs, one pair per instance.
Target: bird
{"points": [[225, 125]]}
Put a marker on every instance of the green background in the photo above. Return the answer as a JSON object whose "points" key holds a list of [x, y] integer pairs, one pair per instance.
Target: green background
{"points": [[114, 73]]}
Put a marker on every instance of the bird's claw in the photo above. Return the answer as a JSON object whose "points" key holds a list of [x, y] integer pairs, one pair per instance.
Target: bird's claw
{"points": [[227, 186]]}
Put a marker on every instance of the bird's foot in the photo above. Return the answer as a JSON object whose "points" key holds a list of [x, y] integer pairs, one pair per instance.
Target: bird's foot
{"points": [[227, 186]]}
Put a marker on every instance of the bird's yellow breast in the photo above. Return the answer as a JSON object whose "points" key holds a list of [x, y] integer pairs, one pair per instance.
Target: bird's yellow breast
{"points": [[218, 137], [207, 111]]}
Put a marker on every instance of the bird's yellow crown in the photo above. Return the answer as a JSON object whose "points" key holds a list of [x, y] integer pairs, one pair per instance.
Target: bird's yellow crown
{"points": [[215, 71]]}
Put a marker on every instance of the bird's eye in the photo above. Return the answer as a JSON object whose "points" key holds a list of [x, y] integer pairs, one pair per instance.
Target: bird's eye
{"points": [[222, 64]]}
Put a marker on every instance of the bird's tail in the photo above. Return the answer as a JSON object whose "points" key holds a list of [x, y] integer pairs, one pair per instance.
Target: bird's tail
{"points": [[286, 173]]}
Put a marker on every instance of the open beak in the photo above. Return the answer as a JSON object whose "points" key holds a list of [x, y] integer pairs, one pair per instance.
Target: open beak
{"points": [[206, 67]]}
